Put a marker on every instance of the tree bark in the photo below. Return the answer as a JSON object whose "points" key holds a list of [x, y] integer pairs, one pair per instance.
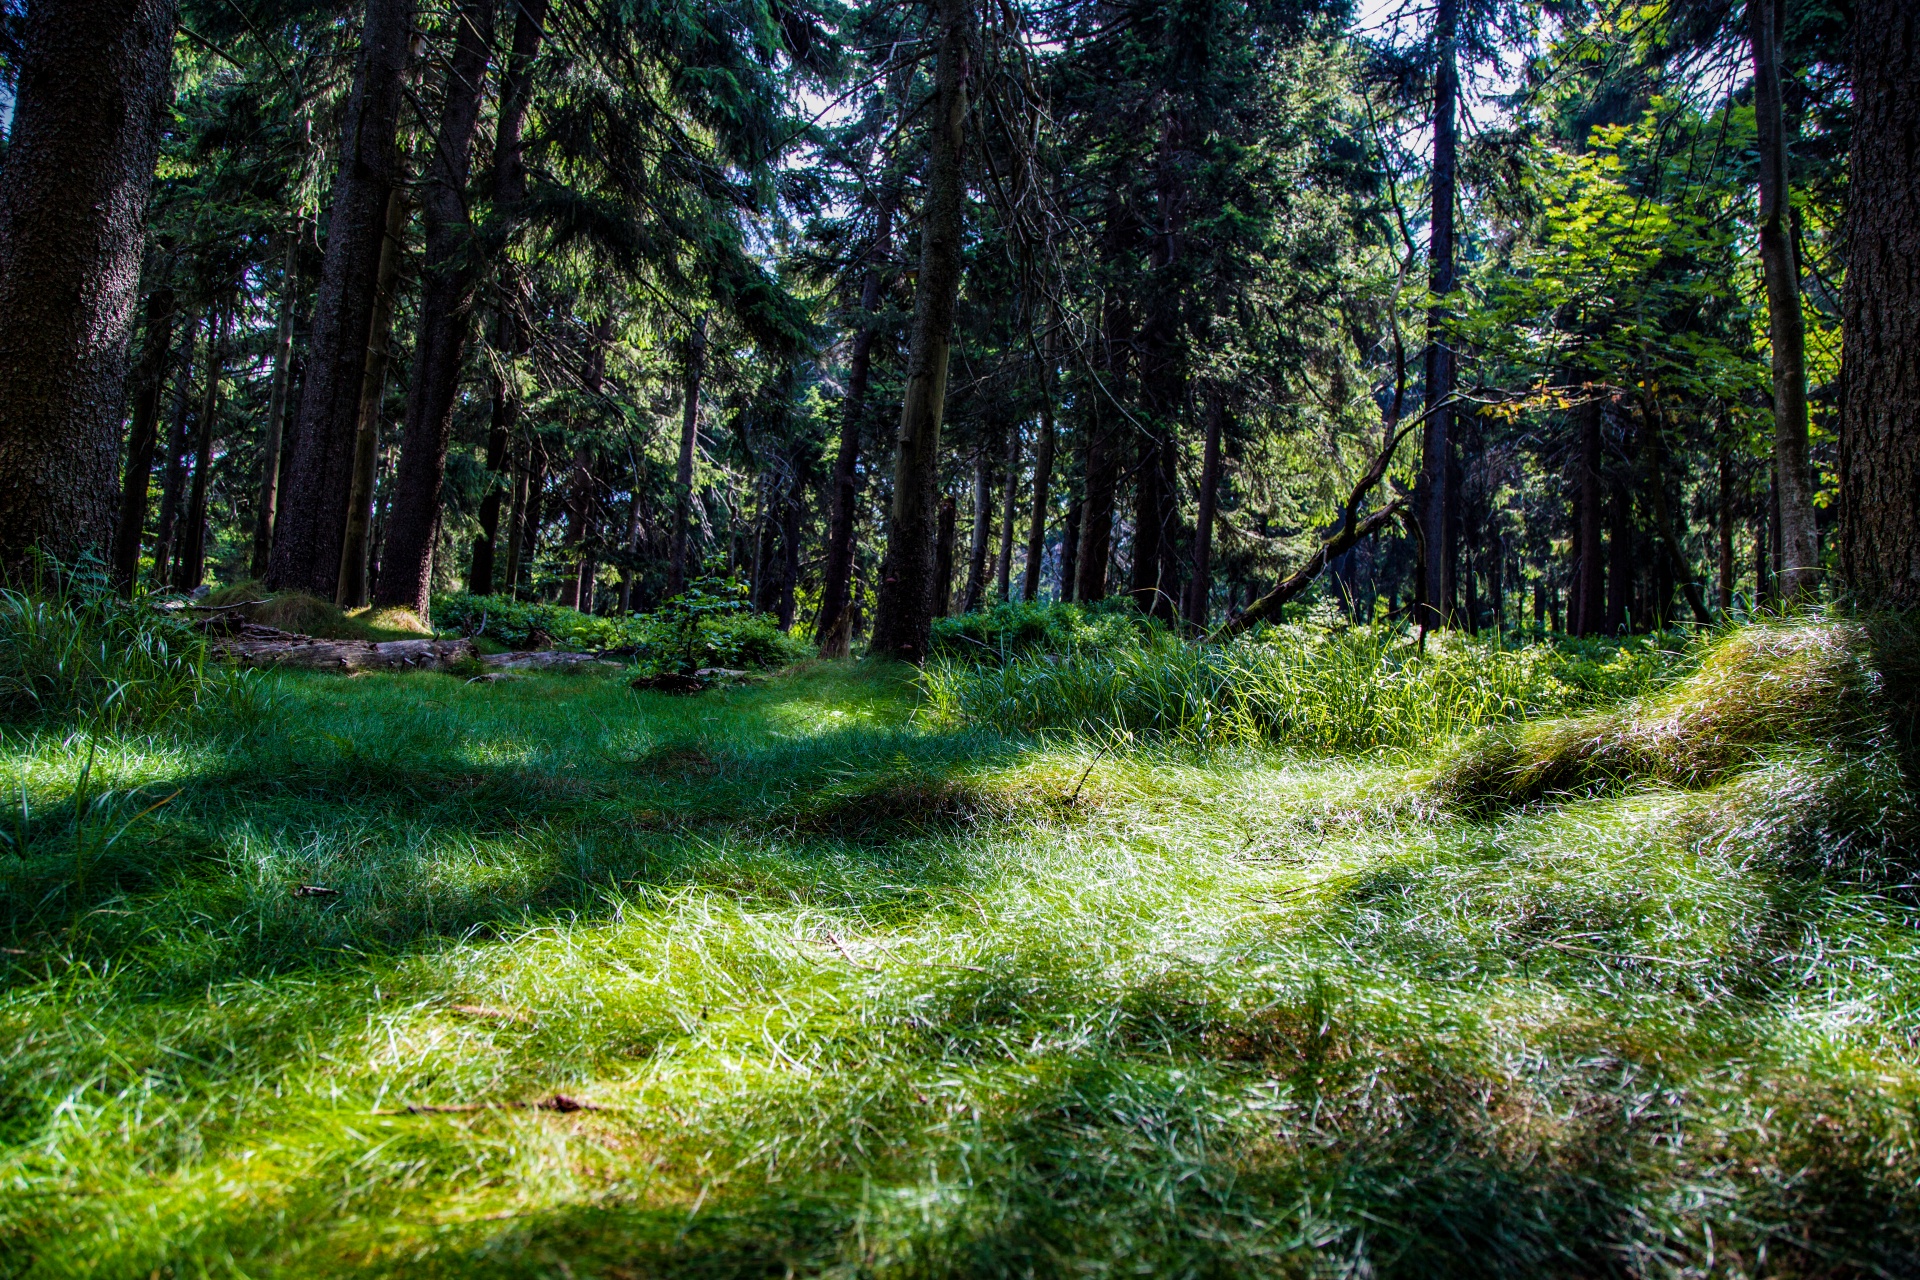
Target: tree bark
{"points": [[981, 530], [1436, 499], [175, 475], [269, 501], [1199, 589], [149, 382], [450, 275], [944, 538], [311, 525], [1799, 545], [1589, 603], [1009, 498], [904, 615], [1620, 551], [499, 436], [350, 576], [1042, 478], [695, 358], [576, 591], [832, 633], [192, 568], [1724, 530], [1880, 415], [1096, 513], [90, 99]]}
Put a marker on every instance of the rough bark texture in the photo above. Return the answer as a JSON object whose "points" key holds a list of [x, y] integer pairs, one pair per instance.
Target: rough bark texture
{"points": [[269, 500], [833, 633], [1435, 500], [1799, 545], [904, 614], [149, 381], [450, 275], [311, 526], [696, 359], [90, 98], [1589, 604], [1200, 588], [1880, 418]]}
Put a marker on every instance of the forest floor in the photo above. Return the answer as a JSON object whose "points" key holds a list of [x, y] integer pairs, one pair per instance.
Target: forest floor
{"points": [[410, 976]]}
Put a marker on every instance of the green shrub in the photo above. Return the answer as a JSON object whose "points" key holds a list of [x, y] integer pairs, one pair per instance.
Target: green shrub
{"points": [[1294, 686], [1014, 630], [709, 626]]}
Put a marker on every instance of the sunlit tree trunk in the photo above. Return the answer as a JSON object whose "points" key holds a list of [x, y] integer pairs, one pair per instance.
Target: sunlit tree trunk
{"points": [[310, 529], [1799, 540], [1880, 416], [904, 613], [89, 102]]}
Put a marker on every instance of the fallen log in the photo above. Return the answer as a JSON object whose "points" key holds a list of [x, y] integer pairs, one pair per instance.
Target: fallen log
{"points": [[253, 645], [545, 660]]}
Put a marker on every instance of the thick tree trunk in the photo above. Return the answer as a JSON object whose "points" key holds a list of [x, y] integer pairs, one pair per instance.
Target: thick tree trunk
{"points": [[1880, 417], [943, 548], [175, 477], [450, 275], [149, 382], [905, 608], [1200, 588], [1435, 500], [981, 531], [1009, 499], [1589, 602], [192, 568], [1042, 480], [89, 101], [1800, 550], [350, 577], [832, 633], [269, 501], [680, 535], [311, 526]]}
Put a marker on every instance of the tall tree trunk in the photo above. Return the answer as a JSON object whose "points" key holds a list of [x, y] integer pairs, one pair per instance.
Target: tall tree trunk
{"points": [[1009, 499], [350, 575], [1436, 505], [636, 516], [506, 408], [516, 522], [1143, 579], [527, 547], [982, 530], [149, 382], [582, 490], [944, 538], [1096, 513], [1618, 616], [1678, 567], [310, 530], [832, 633], [1589, 604], [1070, 552], [175, 476], [269, 500], [89, 101], [1880, 416], [1200, 588], [450, 275], [905, 610], [192, 570], [695, 365], [1724, 529], [1800, 551], [1042, 478]]}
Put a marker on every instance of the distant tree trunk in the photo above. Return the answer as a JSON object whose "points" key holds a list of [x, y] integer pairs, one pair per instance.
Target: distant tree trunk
{"points": [[175, 477], [1620, 549], [192, 569], [1435, 500], [516, 520], [1070, 552], [1009, 499], [90, 98], [789, 553], [581, 493], [1880, 415], [1678, 568], [506, 410], [149, 381], [450, 275], [636, 516], [1724, 525], [1590, 583], [982, 528], [943, 560], [1200, 588], [527, 546], [1143, 578], [905, 609], [1042, 479], [350, 575], [1800, 550], [836, 593], [269, 500], [310, 530], [695, 364], [1096, 514]]}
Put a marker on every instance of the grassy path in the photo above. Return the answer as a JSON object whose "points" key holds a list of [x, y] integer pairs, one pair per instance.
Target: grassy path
{"points": [[806, 989]]}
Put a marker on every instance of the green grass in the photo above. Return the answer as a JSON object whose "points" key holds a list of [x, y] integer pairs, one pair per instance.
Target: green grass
{"points": [[863, 987]]}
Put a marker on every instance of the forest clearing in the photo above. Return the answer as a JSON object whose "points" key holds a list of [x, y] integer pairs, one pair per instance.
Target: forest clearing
{"points": [[1046, 638]]}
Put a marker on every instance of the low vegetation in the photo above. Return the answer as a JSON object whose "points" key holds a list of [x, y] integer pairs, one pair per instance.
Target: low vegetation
{"points": [[837, 973]]}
